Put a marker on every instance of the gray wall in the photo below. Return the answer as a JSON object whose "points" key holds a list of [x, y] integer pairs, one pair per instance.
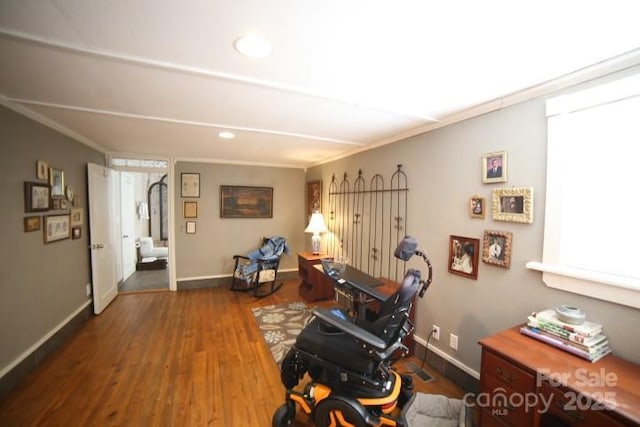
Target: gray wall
{"points": [[40, 285], [444, 171], [208, 253]]}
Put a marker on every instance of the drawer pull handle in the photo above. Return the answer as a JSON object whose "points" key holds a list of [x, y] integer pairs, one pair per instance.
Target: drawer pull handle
{"points": [[511, 377], [576, 415]]}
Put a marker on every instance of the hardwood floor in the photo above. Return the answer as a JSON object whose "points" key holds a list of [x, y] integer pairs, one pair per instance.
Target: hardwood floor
{"points": [[188, 358]]}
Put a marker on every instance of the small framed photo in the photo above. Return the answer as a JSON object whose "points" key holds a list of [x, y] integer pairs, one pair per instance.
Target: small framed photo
{"points": [[37, 197], [191, 227], [190, 184], [463, 256], [69, 193], [477, 206], [42, 170], [76, 233], [31, 223], [494, 167], [190, 209], [56, 180], [496, 248], [56, 227], [513, 204], [76, 217]]}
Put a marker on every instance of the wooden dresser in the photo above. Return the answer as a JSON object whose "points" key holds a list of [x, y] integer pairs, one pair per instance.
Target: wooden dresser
{"points": [[314, 285], [524, 382]]}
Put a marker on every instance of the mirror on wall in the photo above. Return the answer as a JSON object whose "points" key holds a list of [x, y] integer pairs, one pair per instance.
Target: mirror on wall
{"points": [[158, 201]]}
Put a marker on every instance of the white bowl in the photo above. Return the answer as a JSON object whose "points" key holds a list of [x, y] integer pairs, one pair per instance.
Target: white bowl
{"points": [[571, 314]]}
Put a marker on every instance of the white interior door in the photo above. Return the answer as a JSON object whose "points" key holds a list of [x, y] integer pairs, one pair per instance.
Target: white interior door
{"points": [[105, 284], [127, 224]]}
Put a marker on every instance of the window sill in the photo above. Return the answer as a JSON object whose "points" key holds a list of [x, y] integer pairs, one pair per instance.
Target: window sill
{"points": [[606, 287]]}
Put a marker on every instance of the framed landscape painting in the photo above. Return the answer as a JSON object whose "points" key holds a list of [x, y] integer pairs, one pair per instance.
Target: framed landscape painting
{"points": [[246, 202]]}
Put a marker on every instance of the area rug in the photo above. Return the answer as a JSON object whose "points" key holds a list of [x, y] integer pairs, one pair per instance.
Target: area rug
{"points": [[280, 325]]}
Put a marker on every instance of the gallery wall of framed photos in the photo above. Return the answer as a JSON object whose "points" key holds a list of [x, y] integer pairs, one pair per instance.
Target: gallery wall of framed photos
{"points": [[190, 189], [508, 204], [59, 213]]}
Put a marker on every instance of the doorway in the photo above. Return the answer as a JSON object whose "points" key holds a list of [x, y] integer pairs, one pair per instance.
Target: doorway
{"points": [[143, 218]]}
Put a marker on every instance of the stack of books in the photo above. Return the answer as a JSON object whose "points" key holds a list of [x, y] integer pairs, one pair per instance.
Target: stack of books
{"points": [[585, 340]]}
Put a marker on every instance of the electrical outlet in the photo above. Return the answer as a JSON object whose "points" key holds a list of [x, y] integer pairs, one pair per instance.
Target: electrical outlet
{"points": [[436, 332], [88, 289], [453, 341]]}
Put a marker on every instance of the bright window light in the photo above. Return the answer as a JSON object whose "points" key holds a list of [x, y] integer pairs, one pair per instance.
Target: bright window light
{"points": [[592, 204]]}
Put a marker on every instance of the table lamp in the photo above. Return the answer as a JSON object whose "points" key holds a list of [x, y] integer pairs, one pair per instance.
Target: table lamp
{"points": [[316, 226]]}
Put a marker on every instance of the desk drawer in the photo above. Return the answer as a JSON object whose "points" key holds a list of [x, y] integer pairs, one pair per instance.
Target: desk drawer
{"points": [[506, 374], [513, 408], [574, 409]]}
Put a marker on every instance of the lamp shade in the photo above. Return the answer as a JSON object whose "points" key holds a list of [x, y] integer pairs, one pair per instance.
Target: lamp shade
{"points": [[316, 224]]}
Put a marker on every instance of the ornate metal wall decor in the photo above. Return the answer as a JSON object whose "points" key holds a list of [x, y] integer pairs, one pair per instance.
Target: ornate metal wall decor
{"points": [[366, 223]]}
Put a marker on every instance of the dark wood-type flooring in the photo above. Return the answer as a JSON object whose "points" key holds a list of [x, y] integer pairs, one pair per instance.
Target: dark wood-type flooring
{"points": [[187, 358]]}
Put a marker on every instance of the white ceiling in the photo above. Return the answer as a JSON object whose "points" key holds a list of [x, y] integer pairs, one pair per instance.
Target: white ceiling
{"points": [[161, 77]]}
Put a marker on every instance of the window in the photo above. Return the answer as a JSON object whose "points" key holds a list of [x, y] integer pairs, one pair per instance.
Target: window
{"points": [[592, 219], [134, 164]]}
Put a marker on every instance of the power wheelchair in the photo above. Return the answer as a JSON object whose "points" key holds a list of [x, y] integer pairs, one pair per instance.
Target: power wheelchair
{"points": [[348, 361]]}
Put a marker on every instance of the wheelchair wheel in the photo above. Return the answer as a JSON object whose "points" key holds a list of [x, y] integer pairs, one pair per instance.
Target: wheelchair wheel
{"points": [[338, 412], [284, 415]]}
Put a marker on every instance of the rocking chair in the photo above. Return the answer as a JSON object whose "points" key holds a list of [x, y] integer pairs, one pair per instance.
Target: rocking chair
{"points": [[259, 268]]}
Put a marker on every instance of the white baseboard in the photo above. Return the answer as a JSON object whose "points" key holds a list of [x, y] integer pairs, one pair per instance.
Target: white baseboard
{"points": [[42, 340], [222, 276], [447, 357]]}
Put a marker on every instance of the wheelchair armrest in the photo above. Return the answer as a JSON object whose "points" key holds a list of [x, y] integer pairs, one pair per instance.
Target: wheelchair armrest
{"points": [[357, 332], [236, 257]]}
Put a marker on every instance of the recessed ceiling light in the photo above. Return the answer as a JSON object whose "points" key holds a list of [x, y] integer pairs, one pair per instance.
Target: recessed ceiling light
{"points": [[226, 135], [253, 46]]}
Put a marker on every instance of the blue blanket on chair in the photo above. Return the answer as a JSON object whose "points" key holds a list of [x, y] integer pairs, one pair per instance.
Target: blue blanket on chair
{"points": [[273, 249]]}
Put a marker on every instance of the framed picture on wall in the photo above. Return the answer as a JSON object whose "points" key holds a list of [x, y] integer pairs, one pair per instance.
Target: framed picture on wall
{"points": [[246, 202], [496, 248], [494, 167], [190, 209], [477, 206], [56, 180], [37, 197], [513, 204], [42, 170], [191, 227], [76, 217], [314, 197], [463, 256], [56, 227], [190, 184], [76, 233], [31, 223]]}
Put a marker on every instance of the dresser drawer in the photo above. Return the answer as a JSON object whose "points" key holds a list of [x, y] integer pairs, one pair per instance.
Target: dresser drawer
{"points": [[506, 374], [574, 409]]}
